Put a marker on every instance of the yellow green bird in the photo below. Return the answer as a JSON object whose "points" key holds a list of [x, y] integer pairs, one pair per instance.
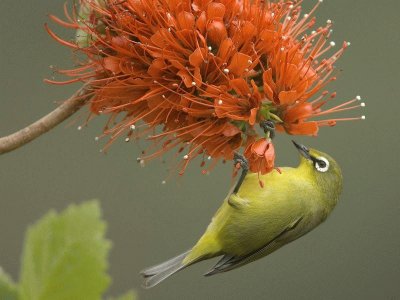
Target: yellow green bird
{"points": [[254, 221]]}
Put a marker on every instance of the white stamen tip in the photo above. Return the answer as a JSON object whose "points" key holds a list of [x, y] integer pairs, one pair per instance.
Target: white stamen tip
{"points": [[362, 104], [358, 97], [141, 163], [220, 102], [283, 49], [96, 138], [272, 14], [332, 43], [132, 127], [362, 117], [79, 128], [289, 18], [209, 158], [186, 157], [306, 15], [127, 139], [249, 61], [348, 44], [163, 182], [163, 96], [329, 21], [291, 6], [209, 48], [320, 1], [193, 83], [313, 32], [226, 71]]}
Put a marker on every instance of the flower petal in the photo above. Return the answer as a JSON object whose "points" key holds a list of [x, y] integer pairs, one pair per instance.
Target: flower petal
{"points": [[197, 57], [186, 20], [112, 64], [231, 130], [216, 32], [239, 63], [215, 11], [253, 116], [307, 128], [288, 97], [259, 147], [298, 112], [240, 86]]}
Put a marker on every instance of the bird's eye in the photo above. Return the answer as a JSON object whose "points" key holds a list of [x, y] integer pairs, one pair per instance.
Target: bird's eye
{"points": [[321, 164]]}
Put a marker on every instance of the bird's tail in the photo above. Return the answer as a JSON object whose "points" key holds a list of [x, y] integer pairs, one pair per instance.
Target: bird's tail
{"points": [[154, 275], [206, 247]]}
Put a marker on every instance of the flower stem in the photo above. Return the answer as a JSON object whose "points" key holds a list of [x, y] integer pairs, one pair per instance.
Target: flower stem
{"points": [[46, 123]]}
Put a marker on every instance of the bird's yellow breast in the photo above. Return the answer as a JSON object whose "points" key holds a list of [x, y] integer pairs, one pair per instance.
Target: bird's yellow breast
{"points": [[258, 214]]}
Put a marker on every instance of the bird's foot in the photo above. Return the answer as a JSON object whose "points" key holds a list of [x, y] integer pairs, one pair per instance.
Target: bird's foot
{"points": [[241, 161], [269, 128]]}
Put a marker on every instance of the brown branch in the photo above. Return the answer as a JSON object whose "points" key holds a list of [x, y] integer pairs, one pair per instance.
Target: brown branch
{"points": [[49, 121]]}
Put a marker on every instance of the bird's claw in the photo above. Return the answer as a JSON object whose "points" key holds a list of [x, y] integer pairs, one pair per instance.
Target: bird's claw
{"points": [[269, 127], [239, 159]]}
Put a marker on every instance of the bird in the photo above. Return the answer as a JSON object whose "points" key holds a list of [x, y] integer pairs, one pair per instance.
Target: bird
{"points": [[254, 221]]}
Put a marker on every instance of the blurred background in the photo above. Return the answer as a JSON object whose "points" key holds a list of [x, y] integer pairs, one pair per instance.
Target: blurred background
{"points": [[354, 255]]}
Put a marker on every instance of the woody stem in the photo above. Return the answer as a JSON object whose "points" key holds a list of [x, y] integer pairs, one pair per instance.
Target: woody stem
{"points": [[46, 123]]}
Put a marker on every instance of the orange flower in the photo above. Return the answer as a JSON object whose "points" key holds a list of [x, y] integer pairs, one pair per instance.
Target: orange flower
{"points": [[261, 156], [198, 75]]}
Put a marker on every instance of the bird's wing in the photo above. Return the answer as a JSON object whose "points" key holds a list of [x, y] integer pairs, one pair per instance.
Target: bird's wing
{"points": [[229, 262]]}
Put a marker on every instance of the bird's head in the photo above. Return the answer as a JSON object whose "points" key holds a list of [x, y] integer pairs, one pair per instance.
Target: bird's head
{"points": [[322, 168]]}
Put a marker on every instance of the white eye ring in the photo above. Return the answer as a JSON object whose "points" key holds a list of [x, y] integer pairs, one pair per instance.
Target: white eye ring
{"points": [[321, 164]]}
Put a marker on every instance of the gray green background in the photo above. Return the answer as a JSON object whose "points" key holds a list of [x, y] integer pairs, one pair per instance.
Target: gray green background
{"points": [[354, 255]]}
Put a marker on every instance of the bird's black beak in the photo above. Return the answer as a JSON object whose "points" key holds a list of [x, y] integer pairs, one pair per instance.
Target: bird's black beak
{"points": [[303, 150]]}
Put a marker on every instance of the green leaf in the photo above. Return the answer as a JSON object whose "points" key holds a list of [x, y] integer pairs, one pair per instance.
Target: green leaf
{"points": [[65, 255], [127, 296], [8, 289]]}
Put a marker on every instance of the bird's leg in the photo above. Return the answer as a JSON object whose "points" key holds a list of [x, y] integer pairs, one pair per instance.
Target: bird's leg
{"points": [[269, 128], [244, 165]]}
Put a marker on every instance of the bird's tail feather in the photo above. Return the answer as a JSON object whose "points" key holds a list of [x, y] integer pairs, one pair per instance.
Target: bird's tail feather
{"points": [[205, 248], [163, 266], [154, 275]]}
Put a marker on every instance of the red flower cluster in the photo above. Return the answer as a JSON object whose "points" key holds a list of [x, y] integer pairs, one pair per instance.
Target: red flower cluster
{"points": [[198, 75]]}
